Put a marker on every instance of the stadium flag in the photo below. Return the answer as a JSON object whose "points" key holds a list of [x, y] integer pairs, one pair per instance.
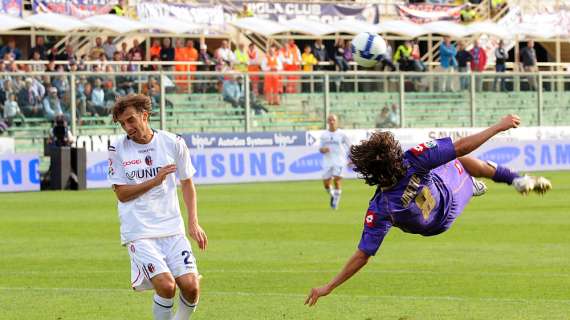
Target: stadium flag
{"points": [[11, 7], [77, 8], [425, 12], [322, 12]]}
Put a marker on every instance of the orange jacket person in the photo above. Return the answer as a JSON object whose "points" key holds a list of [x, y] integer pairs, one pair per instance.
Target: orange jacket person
{"points": [[272, 62], [253, 66]]}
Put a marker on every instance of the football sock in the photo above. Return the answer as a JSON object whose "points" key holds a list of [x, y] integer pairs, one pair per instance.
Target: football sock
{"points": [[185, 309], [162, 307], [505, 175], [336, 197]]}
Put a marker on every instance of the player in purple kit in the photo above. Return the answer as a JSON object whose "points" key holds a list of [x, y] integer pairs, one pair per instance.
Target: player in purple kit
{"points": [[422, 190]]}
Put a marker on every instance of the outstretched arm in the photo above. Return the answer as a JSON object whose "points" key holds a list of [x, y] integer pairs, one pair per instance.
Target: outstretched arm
{"points": [[355, 263], [466, 145]]}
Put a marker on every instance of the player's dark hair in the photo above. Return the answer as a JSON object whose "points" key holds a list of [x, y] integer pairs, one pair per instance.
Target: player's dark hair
{"points": [[379, 160], [139, 101]]}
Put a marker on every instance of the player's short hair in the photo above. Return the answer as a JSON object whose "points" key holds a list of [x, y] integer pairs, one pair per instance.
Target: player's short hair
{"points": [[379, 160], [139, 101]]}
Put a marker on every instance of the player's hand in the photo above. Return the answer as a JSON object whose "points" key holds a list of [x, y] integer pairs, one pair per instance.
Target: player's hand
{"points": [[199, 235], [163, 172], [315, 294], [324, 149], [509, 121]]}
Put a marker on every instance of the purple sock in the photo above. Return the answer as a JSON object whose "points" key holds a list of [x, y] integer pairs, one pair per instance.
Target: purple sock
{"points": [[504, 174]]}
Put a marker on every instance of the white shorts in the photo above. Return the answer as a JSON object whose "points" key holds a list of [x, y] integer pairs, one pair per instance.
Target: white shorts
{"points": [[335, 171], [150, 257]]}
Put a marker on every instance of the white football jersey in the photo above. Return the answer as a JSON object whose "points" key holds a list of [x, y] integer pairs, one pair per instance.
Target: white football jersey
{"points": [[339, 145], [155, 213]]}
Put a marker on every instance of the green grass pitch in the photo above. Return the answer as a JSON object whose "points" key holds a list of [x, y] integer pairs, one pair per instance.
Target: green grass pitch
{"points": [[507, 257]]}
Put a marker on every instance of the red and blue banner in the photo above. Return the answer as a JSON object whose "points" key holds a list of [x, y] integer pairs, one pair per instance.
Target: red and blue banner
{"points": [[11, 7], [75, 8]]}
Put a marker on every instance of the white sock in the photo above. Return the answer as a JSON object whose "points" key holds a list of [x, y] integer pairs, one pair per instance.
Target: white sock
{"points": [[336, 197], [162, 307], [185, 309]]}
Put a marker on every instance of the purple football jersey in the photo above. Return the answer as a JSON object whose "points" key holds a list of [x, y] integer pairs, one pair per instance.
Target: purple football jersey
{"points": [[426, 201]]}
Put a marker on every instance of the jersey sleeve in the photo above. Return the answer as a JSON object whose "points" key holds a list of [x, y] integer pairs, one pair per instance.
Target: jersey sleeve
{"points": [[116, 173], [376, 226], [431, 154], [184, 167]]}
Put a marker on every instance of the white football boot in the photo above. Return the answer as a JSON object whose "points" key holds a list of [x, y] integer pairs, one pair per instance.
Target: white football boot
{"points": [[479, 187], [525, 184]]}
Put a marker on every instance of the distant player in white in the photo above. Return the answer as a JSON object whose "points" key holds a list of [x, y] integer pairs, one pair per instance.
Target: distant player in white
{"points": [[142, 164], [334, 147]]}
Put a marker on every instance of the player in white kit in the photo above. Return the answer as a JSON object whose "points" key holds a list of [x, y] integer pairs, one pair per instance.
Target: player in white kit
{"points": [[142, 164], [334, 147]]}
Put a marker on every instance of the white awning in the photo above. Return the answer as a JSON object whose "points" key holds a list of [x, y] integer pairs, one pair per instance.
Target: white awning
{"points": [[302, 25], [115, 23], [170, 24], [447, 28], [8, 23], [258, 25], [401, 27], [354, 26], [488, 28], [57, 22]]}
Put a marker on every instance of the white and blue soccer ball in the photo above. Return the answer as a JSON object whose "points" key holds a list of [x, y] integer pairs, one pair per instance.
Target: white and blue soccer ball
{"points": [[368, 49]]}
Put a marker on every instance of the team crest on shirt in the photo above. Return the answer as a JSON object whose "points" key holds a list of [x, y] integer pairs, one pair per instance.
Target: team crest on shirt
{"points": [[150, 268], [369, 219], [422, 147], [132, 247], [148, 160]]}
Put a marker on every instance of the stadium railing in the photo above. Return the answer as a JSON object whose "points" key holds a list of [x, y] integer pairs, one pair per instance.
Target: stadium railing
{"points": [[194, 102]]}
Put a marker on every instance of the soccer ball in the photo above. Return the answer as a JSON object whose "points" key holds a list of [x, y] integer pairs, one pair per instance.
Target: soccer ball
{"points": [[368, 49]]}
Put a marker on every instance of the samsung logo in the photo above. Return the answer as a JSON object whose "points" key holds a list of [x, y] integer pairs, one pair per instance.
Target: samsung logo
{"points": [[98, 171], [307, 164], [502, 155]]}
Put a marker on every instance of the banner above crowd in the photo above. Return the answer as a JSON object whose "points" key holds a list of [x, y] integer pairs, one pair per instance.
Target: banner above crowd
{"points": [[11, 7], [209, 18], [323, 12], [425, 12], [75, 8]]}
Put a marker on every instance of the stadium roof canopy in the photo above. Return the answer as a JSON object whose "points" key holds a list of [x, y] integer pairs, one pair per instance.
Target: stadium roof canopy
{"points": [[8, 23], [56, 22]]}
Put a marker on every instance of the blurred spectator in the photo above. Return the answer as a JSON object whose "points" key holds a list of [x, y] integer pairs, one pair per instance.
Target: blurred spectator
{"points": [[463, 57], [137, 48], [478, 63], [497, 6], [272, 82], [387, 58], [167, 52], [117, 57], [528, 61], [30, 97], [321, 53], [12, 110], [416, 57], [61, 83], [52, 105], [232, 92], [292, 62], [155, 49], [124, 52], [205, 65], [348, 51], [388, 117], [193, 55], [38, 66], [339, 59], [110, 48], [137, 57], [10, 48], [242, 59], [309, 61], [447, 63], [40, 47], [125, 82], [253, 66], [51, 66], [468, 13], [403, 56], [181, 55], [68, 54], [225, 53], [501, 57], [52, 54], [97, 51], [246, 12], [97, 101]]}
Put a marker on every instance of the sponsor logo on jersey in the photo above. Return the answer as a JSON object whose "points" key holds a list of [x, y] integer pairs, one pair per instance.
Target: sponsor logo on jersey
{"points": [[111, 148], [150, 268], [132, 247], [458, 166], [148, 160], [110, 162], [369, 218], [142, 173], [422, 147], [131, 162], [146, 150]]}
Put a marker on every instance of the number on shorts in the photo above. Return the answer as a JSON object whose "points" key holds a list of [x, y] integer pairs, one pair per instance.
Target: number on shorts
{"points": [[426, 202], [186, 255]]}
